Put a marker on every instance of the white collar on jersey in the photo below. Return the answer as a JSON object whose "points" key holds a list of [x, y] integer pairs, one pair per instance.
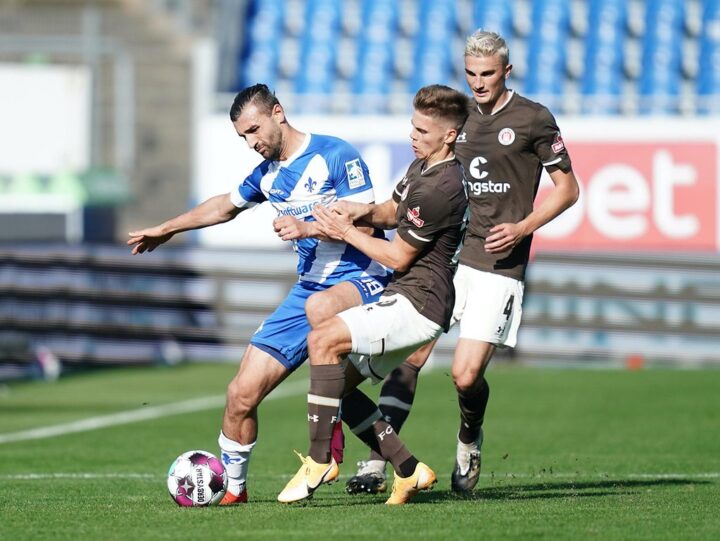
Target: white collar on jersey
{"points": [[451, 158], [297, 153], [511, 93]]}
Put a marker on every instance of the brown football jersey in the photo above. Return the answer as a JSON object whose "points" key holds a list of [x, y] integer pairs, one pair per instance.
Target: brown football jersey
{"points": [[431, 213], [503, 155]]}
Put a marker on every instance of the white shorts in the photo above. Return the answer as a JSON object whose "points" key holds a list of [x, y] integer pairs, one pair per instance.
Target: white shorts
{"points": [[488, 306], [385, 333]]}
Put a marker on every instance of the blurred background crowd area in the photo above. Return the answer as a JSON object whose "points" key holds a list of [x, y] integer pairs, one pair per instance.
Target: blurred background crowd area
{"points": [[576, 56], [115, 117]]}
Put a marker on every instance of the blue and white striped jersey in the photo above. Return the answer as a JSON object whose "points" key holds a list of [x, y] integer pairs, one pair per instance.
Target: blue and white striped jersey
{"points": [[323, 170]]}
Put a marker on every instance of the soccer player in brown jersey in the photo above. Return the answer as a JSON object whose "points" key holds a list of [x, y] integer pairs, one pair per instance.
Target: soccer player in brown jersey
{"points": [[505, 143], [428, 209]]}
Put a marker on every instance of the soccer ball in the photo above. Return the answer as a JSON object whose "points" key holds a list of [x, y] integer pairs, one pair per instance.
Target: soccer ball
{"points": [[197, 479]]}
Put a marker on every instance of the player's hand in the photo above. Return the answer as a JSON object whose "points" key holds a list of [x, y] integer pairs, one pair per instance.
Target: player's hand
{"points": [[289, 228], [350, 208], [335, 224], [503, 238], [146, 240]]}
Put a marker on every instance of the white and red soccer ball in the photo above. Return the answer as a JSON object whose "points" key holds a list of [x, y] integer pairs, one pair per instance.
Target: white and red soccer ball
{"points": [[197, 479]]}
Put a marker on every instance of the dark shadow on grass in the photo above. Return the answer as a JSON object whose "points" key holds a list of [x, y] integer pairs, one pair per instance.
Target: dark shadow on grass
{"points": [[500, 491], [565, 489]]}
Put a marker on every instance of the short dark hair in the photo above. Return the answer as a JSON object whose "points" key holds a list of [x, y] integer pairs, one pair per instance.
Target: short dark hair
{"points": [[443, 102], [258, 94]]}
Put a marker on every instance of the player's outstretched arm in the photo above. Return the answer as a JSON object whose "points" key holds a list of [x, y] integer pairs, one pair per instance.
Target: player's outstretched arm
{"points": [[290, 228], [216, 210], [564, 195], [381, 215], [397, 254]]}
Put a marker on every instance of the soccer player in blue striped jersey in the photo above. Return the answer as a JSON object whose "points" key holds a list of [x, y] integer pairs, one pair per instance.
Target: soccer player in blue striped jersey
{"points": [[299, 171]]}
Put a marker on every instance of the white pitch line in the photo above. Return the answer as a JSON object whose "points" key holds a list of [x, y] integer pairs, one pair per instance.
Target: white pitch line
{"points": [[505, 476], [604, 475], [45, 476], [137, 415]]}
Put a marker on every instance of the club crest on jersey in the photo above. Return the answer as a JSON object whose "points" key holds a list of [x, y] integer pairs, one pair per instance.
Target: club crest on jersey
{"points": [[558, 144], [310, 185], [506, 136], [414, 216], [356, 177]]}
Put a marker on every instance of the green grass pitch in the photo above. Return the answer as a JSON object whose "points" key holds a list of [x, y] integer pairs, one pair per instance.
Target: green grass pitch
{"points": [[569, 454]]}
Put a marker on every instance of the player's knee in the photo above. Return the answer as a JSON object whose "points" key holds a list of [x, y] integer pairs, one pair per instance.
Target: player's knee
{"points": [[241, 400], [318, 308], [465, 380], [420, 357], [321, 343]]}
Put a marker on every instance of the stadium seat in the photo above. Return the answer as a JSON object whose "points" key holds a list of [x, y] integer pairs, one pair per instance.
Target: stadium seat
{"points": [[601, 83], [708, 83], [547, 49], [575, 56], [494, 16], [659, 84], [318, 54], [372, 80], [258, 60], [433, 52]]}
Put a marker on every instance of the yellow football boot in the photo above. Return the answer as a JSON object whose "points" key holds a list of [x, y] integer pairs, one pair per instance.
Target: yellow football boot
{"points": [[310, 476], [405, 488]]}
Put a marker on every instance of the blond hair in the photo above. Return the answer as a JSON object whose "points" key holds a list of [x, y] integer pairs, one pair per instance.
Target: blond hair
{"points": [[483, 43]]}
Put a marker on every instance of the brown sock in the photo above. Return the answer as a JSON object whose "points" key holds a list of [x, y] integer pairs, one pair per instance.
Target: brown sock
{"points": [[327, 383], [365, 421], [396, 397]]}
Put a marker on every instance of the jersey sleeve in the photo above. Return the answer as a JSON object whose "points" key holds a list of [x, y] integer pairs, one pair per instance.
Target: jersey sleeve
{"points": [[248, 193], [398, 191], [350, 175], [427, 215], [548, 142]]}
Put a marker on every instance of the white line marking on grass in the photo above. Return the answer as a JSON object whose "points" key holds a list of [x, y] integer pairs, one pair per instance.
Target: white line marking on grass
{"points": [[504, 476], [604, 475], [137, 415], [45, 476]]}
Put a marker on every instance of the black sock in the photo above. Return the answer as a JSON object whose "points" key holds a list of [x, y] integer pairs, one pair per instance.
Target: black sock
{"points": [[473, 404], [407, 468]]}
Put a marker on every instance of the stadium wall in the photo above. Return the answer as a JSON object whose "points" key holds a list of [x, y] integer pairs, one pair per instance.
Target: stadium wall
{"points": [[628, 275], [648, 184]]}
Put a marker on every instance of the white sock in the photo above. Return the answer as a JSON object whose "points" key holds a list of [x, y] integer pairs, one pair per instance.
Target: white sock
{"points": [[235, 458], [464, 450], [375, 466]]}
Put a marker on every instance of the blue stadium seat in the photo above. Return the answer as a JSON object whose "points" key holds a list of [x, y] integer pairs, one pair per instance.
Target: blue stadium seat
{"points": [[546, 49], [259, 58], [708, 83], [376, 48], [493, 16], [375, 55], [601, 83], [433, 46], [659, 84], [318, 54]]}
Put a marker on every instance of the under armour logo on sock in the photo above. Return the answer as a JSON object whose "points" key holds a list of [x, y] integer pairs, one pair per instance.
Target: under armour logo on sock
{"points": [[313, 418]]}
